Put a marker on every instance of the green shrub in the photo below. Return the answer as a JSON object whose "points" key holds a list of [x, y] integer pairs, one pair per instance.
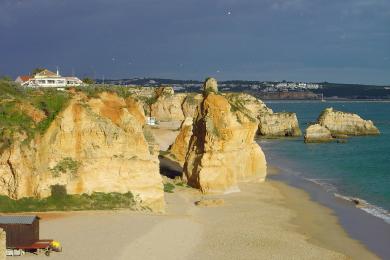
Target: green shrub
{"points": [[66, 165], [58, 191], [169, 187], [95, 201]]}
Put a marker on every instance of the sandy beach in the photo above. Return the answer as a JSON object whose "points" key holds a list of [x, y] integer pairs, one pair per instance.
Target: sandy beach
{"points": [[264, 221]]}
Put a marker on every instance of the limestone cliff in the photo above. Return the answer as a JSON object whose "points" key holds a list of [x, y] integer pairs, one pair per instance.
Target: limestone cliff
{"points": [[178, 150], [190, 104], [94, 145], [339, 122], [167, 106], [270, 124], [317, 134], [222, 150], [279, 124], [243, 101], [136, 108]]}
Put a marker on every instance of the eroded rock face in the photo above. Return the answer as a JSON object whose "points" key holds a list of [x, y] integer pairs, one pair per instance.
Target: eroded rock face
{"points": [[178, 150], [101, 141], [279, 124], [210, 85], [241, 101], [31, 111], [135, 107], [190, 104], [270, 124], [339, 122], [222, 150], [317, 134], [167, 106]]}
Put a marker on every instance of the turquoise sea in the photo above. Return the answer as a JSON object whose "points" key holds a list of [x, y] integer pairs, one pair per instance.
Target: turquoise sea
{"points": [[359, 168]]}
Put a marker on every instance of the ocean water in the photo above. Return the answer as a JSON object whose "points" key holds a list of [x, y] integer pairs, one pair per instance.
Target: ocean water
{"points": [[359, 168]]}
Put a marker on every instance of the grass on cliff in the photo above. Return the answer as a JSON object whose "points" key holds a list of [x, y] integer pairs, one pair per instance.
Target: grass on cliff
{"points": [[238, 105], [93, 91], [65, 202], [13, 120]]}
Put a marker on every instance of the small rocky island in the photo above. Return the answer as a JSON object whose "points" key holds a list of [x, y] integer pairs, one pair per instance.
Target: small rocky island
{"points": [[333, 124]]}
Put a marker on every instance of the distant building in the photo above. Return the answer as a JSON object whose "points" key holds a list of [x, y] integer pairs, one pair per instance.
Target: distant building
{"points": [[48, 79], [22, 79]]}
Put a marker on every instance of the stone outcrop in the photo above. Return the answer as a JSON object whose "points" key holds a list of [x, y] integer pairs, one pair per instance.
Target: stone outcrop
{"points": [[222, 150], [243, 101], [339, 122], [135, 107], [270, 124], [317, 134], [178, 150], [190, 104], [210, 85], [94, 145], [167, 105], [34, 113], [279, 124]]}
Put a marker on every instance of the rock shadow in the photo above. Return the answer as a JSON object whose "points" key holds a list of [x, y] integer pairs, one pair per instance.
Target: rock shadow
{"points": [[169, 168]]}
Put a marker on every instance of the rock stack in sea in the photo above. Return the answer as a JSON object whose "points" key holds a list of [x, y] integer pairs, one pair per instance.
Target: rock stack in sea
{"points": [[317, 134], [279, 124], [270, 124], [345, 123], [222, 150], [332, 124]]}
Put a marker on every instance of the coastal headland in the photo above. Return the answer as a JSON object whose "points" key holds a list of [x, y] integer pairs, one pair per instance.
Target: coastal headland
{"points": [[99, 150]]}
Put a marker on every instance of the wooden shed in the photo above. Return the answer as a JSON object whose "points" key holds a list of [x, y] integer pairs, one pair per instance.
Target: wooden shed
{"points": [[20, 230]]}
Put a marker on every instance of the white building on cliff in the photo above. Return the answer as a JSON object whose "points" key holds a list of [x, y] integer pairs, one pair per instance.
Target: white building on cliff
{"points": [[48, 79]]}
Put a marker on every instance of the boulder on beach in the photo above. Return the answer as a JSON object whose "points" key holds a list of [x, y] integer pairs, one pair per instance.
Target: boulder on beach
{"points": [[222, 150], [317, 134]]}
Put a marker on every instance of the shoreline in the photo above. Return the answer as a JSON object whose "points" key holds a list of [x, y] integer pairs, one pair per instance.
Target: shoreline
{"points": [[263, 221], [371, 231]]}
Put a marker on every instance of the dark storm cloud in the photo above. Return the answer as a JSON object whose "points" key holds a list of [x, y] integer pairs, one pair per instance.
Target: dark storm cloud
{"points": [[311, 40]]}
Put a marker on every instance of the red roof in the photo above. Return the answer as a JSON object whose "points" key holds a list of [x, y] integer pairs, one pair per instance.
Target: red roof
{"points": [[24, 78]]}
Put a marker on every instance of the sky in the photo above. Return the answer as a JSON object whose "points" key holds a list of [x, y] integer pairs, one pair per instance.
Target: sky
{"points": [[344, 41]]}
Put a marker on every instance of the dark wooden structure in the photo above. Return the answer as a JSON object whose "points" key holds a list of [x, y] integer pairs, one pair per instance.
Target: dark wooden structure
{"points": [[20, 230]]}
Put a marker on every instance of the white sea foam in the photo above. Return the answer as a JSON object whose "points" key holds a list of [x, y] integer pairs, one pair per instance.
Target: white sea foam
{"points": [[324, 183], [367, 207], [359, 203]]}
